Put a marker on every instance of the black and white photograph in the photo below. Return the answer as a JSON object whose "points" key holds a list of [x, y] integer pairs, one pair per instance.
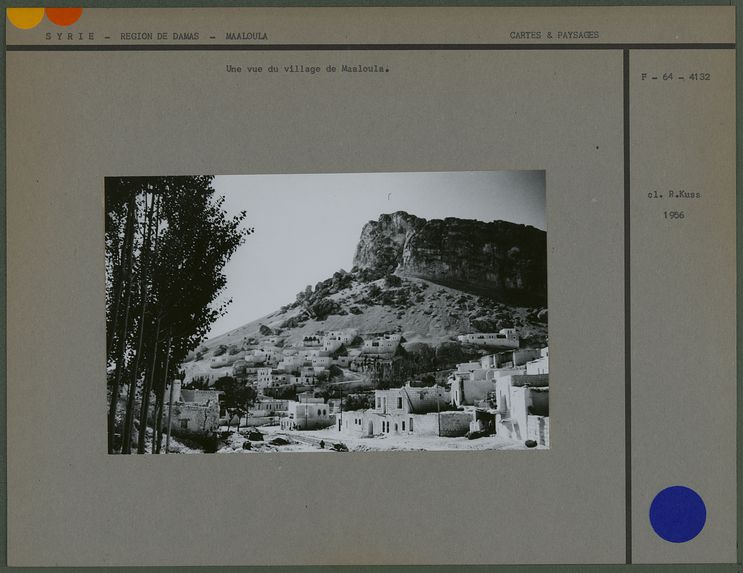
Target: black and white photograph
{"points": [[328, 313]]}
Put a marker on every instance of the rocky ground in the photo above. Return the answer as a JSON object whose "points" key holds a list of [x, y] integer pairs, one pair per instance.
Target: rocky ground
{"points": [[309, 441]]}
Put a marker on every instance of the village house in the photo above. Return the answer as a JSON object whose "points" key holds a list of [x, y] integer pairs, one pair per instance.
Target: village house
{"points": [[523, 407], [331, 344], [334, 339], [322, 362], [266, 407], [209, 377], [385, 344], [472, 382], [516, 382], [409, 399], [466, 391], [407, 410], [270, 377], [343, 336], [467, 367], [307, 354], [242, 366], [469, 382], [369, 362], [307, 415], [256, 356], [194, 412], [541, 365], [263, 377], [197, 396], [312, 340], [303, 379], [273, 355], [516, 358], [504, 338], [309, 396], [290, 364], [307, 371]]}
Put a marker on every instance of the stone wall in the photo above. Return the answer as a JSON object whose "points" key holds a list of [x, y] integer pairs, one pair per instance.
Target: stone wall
{"points": [[192, 419], [455, 424], [539, 430]]}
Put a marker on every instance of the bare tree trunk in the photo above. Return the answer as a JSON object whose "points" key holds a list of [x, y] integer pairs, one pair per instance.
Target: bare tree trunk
{"points": [[157, 416], [159, 406], [126, 447], [170, 413], [146, 390], [113, 405]]}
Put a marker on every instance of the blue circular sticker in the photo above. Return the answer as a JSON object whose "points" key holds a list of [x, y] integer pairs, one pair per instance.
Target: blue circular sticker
{"points": [[678, 514]]}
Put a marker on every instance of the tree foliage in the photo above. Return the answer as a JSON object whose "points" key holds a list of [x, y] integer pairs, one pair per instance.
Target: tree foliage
{"points": [[237, 396], [358, 401], [167, 242]]}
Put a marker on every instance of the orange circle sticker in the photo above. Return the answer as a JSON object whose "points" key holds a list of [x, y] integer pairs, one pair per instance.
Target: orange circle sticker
{"points": [[64, 16], [25, 18]]}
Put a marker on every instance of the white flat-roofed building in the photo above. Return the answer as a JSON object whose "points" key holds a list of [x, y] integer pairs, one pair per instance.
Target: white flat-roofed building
{"points": [[407, 410], [541, 365], [385, 344], [291, 363], [522, 411], [307, 416], [265, 406], [312, 340], [504, 338], [270, 377], [322, 361]]}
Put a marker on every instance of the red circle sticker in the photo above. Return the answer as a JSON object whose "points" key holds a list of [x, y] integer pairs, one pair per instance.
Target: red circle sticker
{"points": [[64, 16]]}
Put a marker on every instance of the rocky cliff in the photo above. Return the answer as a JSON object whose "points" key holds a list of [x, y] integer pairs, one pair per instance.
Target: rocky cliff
{"points": [[502, 260]]}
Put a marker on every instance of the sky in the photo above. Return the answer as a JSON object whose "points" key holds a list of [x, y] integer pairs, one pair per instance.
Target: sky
{"points": [[307, 226]]}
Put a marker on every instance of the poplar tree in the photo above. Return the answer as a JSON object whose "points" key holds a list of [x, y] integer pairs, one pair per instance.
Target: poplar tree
{"points": [[167, 242]]}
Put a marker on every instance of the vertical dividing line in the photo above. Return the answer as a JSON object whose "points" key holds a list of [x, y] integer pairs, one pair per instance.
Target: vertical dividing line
{"points": [[627, 321]]}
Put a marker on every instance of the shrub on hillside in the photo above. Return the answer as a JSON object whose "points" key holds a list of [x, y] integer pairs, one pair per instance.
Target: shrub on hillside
{"points": [[374, 291], [293, 322], [324, 308], [369, 275], [392, 281], [486, 325], [335, 372]]}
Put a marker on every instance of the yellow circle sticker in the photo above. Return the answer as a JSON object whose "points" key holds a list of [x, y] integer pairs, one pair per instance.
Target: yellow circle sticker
{"points": [[25, 18]]}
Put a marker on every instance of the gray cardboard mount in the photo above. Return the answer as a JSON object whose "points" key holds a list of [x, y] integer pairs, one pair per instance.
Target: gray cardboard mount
{"points": [[620, 273]]}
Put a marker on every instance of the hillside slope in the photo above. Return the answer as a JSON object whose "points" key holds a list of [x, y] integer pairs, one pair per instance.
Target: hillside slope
{"points": [[428, 280]]}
